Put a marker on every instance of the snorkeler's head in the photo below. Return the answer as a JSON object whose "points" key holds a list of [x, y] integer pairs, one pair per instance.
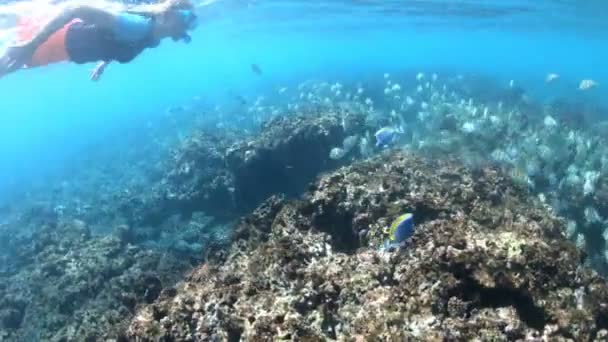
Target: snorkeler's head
{"points": [[178, 18], [179, 5], [179, 23]]}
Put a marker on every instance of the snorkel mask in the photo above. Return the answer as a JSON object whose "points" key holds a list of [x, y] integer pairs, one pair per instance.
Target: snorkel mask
{"points": [[188, 21]]}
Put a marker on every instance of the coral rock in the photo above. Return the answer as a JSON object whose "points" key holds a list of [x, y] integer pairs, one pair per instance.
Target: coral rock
{"points": [[485, 262]]}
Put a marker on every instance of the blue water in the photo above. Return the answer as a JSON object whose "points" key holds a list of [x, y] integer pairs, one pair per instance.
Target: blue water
{"points": [[79, 157], [52, 115]]}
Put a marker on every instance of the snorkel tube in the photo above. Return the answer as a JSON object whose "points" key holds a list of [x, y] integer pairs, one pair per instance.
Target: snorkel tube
{"points": [[187, 21]]}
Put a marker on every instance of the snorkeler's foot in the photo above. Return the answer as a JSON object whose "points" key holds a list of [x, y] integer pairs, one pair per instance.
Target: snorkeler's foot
{"points": [[14, 58]]}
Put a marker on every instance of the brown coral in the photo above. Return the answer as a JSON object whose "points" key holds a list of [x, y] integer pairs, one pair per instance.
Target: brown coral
{"points": [[484, 262]]}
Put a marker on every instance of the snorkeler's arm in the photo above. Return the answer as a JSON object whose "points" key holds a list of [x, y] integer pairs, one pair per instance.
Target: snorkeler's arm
{"points": [[99, 69], [88, 14]]}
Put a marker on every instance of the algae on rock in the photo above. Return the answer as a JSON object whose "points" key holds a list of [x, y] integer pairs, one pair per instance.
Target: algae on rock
{"points": [[485, 262]]}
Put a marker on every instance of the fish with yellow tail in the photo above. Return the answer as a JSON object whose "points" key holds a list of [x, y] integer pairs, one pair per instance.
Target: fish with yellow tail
{"points": [[401, 229]]}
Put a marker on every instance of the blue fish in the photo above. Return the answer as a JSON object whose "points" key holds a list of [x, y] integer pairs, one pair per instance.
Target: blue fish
{"points": [[401, 229], [386, 136]]}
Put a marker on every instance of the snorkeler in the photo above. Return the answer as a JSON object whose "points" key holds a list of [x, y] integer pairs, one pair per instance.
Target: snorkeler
{"points": [[86, 34]]}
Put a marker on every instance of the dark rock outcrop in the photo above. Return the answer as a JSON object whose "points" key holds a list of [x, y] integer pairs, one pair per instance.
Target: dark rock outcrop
{"points": [[231, 175]]}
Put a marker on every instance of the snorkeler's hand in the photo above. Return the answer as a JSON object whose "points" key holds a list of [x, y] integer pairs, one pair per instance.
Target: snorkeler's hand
{"points": [[98, 71], [15, 58]]}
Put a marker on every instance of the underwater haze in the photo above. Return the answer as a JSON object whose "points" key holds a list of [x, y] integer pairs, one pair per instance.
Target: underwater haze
{"points": [[167, 175], [51, 114]]}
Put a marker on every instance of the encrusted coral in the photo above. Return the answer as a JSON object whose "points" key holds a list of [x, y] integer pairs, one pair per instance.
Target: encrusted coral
{"points": [[485, 263], [71, 286], [489, 260], [226, 176]]}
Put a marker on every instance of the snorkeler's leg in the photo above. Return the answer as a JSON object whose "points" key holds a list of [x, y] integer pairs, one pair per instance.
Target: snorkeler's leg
{"points": [[17, 56], [90, 15]]}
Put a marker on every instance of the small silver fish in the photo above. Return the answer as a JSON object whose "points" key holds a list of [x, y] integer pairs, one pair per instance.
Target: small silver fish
{"points": [[551, 77], [587, 84]]}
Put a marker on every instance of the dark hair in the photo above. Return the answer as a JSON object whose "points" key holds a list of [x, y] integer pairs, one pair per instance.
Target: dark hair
{"points": [[183, 18], [161, 9], [173, 5], [169, 10]]}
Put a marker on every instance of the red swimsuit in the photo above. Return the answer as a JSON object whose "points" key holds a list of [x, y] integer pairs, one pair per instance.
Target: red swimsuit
{"points": [[53, 50]]}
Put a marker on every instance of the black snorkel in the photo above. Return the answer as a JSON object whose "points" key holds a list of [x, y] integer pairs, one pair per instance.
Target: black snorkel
{"points": [[186, 21]]}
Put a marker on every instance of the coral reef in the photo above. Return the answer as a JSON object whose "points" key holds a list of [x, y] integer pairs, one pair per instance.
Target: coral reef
{"points": [[489, 259], [72, 286], [194, 178], [231, 175], [288, 154], [486, 262], [561, 163], [556, 149]]}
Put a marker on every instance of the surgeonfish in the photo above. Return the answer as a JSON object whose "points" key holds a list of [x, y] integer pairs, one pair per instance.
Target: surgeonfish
{"points": [[401, 228], [587, 84], [387, 135]]}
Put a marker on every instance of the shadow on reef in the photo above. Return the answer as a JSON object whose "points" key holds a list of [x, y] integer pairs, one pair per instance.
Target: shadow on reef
{"points": [[224, 177], [486, 261]]}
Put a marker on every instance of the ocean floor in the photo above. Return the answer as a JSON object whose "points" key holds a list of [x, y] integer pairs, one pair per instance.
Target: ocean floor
{"points": [[272, 225]]}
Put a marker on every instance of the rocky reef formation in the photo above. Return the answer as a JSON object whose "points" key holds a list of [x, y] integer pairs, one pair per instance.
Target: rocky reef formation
{"points": [[555, 147], [288, 154], [485, 262], [229, 175], [194, 177], [72, 286], [539, 146], [489, 260]]}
